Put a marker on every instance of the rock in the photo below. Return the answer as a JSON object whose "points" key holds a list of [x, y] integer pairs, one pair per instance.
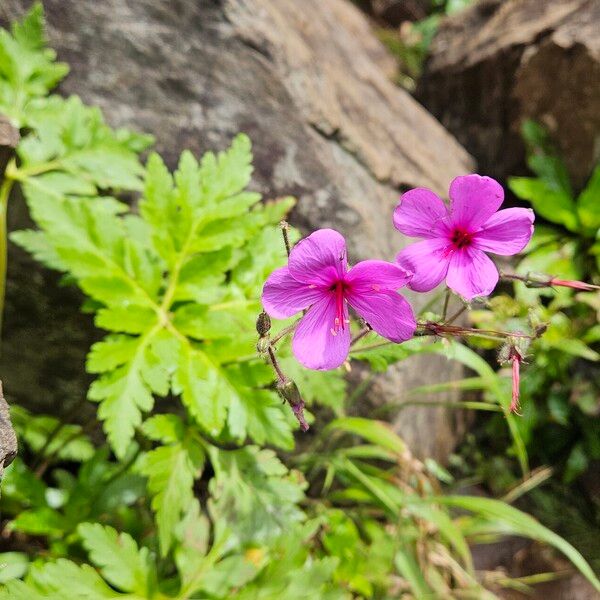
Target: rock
{"points": [[498, 63], [8, 439], [394, 12], [307, 82]]}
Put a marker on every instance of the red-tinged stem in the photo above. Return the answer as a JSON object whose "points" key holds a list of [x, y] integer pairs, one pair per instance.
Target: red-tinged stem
{"points": [[577, 285], [433, 328], [282, 378], [516, 366]]}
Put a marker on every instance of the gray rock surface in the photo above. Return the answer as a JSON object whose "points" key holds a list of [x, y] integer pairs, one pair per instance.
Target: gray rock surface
{"points": [[500, 62], [308, 82]]}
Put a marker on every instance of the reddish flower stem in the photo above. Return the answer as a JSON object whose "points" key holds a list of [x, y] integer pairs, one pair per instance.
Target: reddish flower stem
{"points": [[516, 359]]}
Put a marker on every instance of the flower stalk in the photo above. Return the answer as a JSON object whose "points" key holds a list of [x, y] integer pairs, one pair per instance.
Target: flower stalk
{"points": [[541, 280]]}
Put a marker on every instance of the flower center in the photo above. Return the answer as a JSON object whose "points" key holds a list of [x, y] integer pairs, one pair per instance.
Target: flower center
{"points": [[461, 238], [339, 322]]}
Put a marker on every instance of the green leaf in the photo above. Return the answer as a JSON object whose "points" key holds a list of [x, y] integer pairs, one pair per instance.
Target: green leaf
{"points": [[121, 562], [13, 565], [518, 523], [126, 319], [60, 440], [165, 278], [553, 204], [124, 394], [28, 70], [381, 354], [209, 323], [410, 570], [19, 484], [37, 244], [166, 428], [588, 203], [326, 388], [256, 412], [204, 391], [285, 577], [226, 173], [110, 353], [261, 415], [72, 140], [40, 521], [171, 471], [254, 492], [543, 158], [193, 534], [376, 432], [577, 464], [61, 579]]}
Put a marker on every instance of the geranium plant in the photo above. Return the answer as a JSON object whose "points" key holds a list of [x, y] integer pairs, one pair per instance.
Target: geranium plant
{"points": [[187, 484]]}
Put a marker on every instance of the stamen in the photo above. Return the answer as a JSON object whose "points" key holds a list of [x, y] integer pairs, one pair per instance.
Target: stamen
{"points": [[461, 238], [376, 287], [339, 320]]}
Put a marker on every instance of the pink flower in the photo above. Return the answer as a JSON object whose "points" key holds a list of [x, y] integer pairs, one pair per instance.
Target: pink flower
{"points": [[317, 276], [457, 237]]}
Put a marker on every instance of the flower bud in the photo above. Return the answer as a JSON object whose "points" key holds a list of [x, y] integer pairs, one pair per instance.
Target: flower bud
{"points": [[516, 359], [289, 391], [537, 280], [262, 345], [263, 324]]}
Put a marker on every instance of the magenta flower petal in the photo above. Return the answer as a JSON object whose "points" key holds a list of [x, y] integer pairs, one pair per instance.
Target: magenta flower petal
{"points": [[317, 344], [320, 259], [283, 296], [420, 213], [474, 199], [428, 260], [387, 312], [370, 275], [471, 273], [507, 232]]}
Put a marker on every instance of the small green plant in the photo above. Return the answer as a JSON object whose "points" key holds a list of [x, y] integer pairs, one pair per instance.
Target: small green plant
{"points": [[560, 422], [410, 43], [560, 409]]}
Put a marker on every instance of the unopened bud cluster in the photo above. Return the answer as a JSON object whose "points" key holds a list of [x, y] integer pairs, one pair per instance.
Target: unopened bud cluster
{"points": [[263, 326]]}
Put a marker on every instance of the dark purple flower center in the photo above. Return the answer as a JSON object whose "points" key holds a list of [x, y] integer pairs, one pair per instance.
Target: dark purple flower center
{"points": [[461, 238]]}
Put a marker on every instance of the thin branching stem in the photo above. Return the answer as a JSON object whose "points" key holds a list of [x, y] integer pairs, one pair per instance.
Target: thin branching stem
{"points": [[455, 316], [446, 302], [5, 190], [285, 230], [360, 335], [273, 359], [287, 330]]}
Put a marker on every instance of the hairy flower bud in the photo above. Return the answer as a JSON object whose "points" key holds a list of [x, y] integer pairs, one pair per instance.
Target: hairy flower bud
{"points": [[289, 391], [263, 324], [516, 359], [262, 346]]}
